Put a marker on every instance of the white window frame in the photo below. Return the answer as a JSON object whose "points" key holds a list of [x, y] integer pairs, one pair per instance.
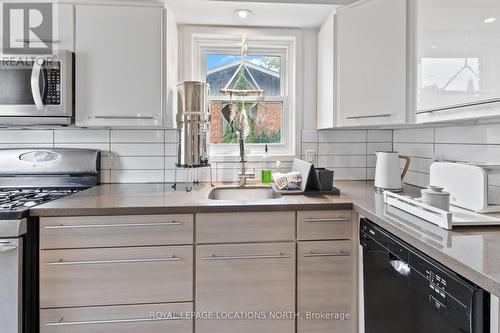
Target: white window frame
{"points": [[285, 47]]}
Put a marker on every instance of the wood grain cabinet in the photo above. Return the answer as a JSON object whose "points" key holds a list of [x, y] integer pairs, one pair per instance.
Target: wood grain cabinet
{"points": [[245, 227], [114, 276], [246, 278], [76, 232], [325, 287], [153, 318], [324, 224]]}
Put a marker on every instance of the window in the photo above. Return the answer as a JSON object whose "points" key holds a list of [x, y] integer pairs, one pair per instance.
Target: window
{"points": [[258, 72], [268, 67]]}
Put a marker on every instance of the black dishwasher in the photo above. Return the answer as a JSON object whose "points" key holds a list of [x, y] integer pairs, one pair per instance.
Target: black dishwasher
{"points": [[405, 291]]}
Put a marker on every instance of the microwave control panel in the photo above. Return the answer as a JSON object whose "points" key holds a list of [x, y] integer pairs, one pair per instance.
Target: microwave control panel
{"points": [[53, 90]]}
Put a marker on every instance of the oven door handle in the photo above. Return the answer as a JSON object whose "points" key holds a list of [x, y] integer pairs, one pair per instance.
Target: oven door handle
{"points": [[7, 246], [400, 267], [35, 85]]}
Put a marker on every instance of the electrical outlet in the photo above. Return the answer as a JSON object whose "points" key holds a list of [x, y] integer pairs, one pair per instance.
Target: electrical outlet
{"points": [[311, 156]]}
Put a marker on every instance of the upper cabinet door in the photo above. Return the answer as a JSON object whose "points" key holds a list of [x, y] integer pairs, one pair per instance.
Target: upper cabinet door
{"points": [[326, 78], [371, 63], [458, 55], [119, 65]]}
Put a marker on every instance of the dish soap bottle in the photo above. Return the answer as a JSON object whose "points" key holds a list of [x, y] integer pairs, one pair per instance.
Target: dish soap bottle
{"points": [[266, 173]]}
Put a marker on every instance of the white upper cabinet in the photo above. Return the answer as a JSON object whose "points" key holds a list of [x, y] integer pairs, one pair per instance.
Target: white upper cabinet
{"points": [[458, 59], [119, 65], [371, 63], [326, 76]]}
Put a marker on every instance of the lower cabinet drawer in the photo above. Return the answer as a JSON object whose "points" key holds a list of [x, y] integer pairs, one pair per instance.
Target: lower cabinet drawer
{"points": [[94, 277], [76, 232], [324, 225], [154, 318], [245, 227]]}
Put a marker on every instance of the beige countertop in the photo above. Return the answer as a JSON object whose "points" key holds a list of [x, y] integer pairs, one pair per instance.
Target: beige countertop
{"points": [[473, 252]]}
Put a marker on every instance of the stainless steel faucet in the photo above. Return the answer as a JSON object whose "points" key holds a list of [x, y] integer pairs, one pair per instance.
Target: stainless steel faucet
{"points": [[243, 130]]}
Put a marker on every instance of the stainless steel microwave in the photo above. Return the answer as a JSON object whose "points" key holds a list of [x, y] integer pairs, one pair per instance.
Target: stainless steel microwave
{"points": [[36, 89]]}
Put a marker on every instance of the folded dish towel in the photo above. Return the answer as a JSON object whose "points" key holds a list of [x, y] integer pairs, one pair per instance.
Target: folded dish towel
{"points": [[288, 181]]}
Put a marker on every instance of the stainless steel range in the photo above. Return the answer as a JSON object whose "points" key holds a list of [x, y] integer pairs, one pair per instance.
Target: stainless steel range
{"points": [[29, 177]]}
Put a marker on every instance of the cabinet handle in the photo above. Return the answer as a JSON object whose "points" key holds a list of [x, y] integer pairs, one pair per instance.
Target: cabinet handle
{"points": [[6, 246], [61, 262], [117, 225], [326, 220], [124, 117], [339, 253], [111, 321], [459, 106], [256, 257], [384, 115]]}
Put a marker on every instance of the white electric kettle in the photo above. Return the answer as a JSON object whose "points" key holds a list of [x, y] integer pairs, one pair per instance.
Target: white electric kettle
{"points": [[387, 172]]}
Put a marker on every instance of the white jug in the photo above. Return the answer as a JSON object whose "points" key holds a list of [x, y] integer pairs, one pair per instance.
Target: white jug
{"points": [[387, 175]]}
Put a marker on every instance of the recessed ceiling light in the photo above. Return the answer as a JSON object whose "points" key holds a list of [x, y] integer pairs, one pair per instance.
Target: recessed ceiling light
{"points": [[490, 20], [242, 13]]}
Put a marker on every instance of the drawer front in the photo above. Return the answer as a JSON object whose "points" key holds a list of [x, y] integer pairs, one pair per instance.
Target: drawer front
{"points": [[325, 284], [327, 224], [245, 278], [114, 231], [118, 319], [245, 227], [94, 277]]}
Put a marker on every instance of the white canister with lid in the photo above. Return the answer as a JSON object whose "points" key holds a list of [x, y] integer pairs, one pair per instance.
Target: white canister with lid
{"points": [[436, 197]]}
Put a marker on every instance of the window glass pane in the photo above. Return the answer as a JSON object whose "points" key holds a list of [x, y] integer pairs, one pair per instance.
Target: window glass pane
{"points": [[265, 119], [252, 72]]}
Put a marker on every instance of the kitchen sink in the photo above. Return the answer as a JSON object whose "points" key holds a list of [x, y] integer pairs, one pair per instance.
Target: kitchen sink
{"points": [[247, 193]]}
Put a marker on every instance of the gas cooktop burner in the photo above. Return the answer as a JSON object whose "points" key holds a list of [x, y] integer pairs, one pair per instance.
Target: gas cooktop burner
{"points": [[12, 200]]}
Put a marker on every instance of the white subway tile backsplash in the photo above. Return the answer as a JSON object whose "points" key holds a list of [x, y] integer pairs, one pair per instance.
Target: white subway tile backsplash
{"points": [[170, 149], [482, 134], [137, 149], [137, 176], [417, 179], [26, 136], [170, 162], [342, 149], [81, 136], [309, 146], [138, 163], [415, 149], [469, 153], [342, 161], [371, 161], [105, 176], [336, 136], [476, 144], [26, 145], [422, 135], [137, 136], [309, 136], [419, 164], [103, 147], [371, 148], [349, 173], [170, 136], [379, 136]]}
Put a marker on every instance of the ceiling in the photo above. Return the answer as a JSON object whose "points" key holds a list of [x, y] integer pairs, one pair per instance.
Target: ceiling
{"points": [[266, 13]]}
